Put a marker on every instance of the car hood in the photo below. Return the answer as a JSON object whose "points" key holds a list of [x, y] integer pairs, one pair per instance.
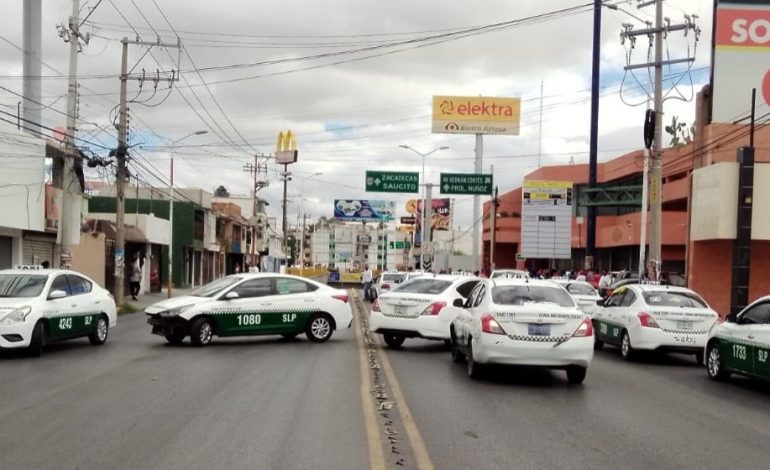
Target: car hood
{"points": [[11, 303], [176, 302]]}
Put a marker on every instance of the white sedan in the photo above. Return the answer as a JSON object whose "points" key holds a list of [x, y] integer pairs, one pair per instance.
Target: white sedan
{"points": [[420, 308], [40, 306], [584, 294], [522, 322], [654, 318], [253, 304]]}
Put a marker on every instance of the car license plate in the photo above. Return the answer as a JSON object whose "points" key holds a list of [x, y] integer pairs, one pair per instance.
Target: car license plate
{"points": [[684, 325], [536, 329], [399, 310]]}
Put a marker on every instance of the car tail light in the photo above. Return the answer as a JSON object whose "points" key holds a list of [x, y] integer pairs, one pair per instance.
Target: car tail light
{"points": [[490, 325], [341, 297], [434, 308], [646, 320], [586, 328], [385, 287], [376, 305]]}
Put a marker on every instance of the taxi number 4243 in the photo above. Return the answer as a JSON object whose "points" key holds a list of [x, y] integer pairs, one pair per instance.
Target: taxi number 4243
{"points": [[65, 323], [256, 319]]}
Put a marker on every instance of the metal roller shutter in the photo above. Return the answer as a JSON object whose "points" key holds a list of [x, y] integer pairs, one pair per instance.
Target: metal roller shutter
{"points": [[38, 248]]}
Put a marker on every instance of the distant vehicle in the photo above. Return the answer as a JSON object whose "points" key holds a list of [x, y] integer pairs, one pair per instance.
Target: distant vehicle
{"points": [[667, 278], [654, 318], [584, 294], [41, 306], [509, 273], [252, 304], [420, 308], [741, 344], [386, 282], [522, 322]]}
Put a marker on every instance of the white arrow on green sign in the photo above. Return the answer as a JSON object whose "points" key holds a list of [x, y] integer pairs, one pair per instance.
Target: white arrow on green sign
{"points": [[466, 183], [392, 181]]}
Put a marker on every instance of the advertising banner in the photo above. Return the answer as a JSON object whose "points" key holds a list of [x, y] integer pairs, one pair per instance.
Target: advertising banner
{"points": [[546, 219], [476, 115], [364, 210], [741, 58], [441, 216]]}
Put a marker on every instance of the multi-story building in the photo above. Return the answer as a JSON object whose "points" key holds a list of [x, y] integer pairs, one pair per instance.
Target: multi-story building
{"points": [[352, 246]]}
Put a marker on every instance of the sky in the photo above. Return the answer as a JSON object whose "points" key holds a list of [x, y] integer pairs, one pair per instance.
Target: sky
{"points": [[353, 80]]}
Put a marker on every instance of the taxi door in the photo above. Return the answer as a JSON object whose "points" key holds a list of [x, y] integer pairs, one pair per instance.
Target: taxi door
{"points": [[739, 350], [296, 301], [250, 312], [60, 312], [84, 304], [608, 317], [762, 350]]}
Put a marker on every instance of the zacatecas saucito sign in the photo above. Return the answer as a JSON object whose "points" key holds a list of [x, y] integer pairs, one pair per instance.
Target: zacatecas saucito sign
{"points": [[476, 115]]}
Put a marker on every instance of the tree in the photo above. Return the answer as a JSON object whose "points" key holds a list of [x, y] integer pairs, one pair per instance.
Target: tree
{"points": [[679, 132], [221, 191]]}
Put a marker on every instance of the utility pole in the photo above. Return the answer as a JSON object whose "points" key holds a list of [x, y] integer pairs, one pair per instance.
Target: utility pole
{"points": [[594, 134], [32, 45], [477, 222], [427, 213], [493, 233], [657, 33], [286, 178], [254, 169]]}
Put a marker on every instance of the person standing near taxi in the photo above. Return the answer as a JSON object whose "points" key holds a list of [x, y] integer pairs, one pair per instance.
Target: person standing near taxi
{"points": [[368, 275]]}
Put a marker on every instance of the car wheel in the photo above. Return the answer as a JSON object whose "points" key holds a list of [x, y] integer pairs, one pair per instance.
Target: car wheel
{"points": [[393, 341], [576, 374], [714, 363], [38, 340], [202, 332], [289, 335], [319, 328], [457, 355], [474, 369], [699, 358], [102, 329], [626, 350], [598, 344], [175, 337]]}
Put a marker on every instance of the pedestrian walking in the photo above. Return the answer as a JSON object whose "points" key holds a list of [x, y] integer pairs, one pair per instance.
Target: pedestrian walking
{"points": [[368, 275], [135, 279]]}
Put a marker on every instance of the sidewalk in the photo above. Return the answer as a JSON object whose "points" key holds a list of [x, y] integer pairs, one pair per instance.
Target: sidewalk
{"points": [[145, 300]]}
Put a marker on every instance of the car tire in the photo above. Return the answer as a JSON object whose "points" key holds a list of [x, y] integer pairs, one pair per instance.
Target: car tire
{"points": [[393, 341], [101, 331], [598, 344], [175, 337], [473, 368], [714, 366], [319, 328], [201, 332], [37, 340], [457, 355], [626, 350], [699, 357], [576, 374], [289, 336]]}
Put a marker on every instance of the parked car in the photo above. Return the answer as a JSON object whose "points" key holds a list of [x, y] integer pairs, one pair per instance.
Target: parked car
{"points": [[584, 294], [420, 308], [386, 282], [654, 318], [667, 278], [522, 322], [40, 306], [741, 344], [253, 304]]}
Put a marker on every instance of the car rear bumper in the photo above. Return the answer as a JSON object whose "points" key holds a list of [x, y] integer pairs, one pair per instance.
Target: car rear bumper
{"points": [[500, 349], [423, 326], [654, 339], [15, 336]]}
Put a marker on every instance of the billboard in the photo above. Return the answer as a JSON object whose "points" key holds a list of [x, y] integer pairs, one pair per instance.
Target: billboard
{"points": [[364, 210], [741, 58], [441, 215], [476, 115], [546, 219]]}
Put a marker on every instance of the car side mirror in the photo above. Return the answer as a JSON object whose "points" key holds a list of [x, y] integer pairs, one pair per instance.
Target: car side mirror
{"points": [[732, 318], [459, 303], [57, 294], [231, 295], [600, 303]]}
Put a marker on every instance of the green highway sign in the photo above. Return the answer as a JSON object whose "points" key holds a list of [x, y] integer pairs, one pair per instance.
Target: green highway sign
{"points": [[466, 183], [392, 182]]}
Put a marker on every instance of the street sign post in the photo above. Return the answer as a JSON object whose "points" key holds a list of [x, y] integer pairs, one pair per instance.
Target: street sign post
{"points": [[408, 220], [392, 181], [466, 183]]}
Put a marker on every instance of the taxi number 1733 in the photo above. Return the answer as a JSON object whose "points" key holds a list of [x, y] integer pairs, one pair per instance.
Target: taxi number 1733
{"points": [[739, 351]]}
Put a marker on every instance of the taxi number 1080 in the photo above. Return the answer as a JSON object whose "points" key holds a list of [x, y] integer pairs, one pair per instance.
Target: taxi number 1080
{"points": [[251, 319]]}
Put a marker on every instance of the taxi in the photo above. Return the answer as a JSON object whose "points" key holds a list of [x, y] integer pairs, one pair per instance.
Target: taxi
{"points": [[584, 294], [741, 344], [252, 304], [654, 317], [386, 282], [522, 321], [39, 306], [422, 307]]}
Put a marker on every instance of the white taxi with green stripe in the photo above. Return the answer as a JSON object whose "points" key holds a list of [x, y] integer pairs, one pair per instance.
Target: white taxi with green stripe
{"points": [[40, 306], [741, 344], [653, 317], [253, 304]]}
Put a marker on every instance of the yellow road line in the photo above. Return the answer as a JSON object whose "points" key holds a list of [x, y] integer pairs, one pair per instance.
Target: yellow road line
{"points": [[376, 455], [421, 455]]}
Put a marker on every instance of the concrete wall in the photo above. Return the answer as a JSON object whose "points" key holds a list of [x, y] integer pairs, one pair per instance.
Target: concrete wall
{"points": [[22, 181], [89, 257]]}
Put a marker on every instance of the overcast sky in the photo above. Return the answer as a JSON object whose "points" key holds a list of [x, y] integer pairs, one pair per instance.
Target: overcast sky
{"points": [[349, 111]]}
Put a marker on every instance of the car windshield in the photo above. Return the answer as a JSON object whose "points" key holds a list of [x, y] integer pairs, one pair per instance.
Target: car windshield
{"points": [[523, 295], [212, 289], [580, 289], [673, 299], [21, 285], [424, 286], [392, 277]]}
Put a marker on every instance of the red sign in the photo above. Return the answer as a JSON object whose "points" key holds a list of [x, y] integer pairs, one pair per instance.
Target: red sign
{"points": [[766, 87], [743, 28]]}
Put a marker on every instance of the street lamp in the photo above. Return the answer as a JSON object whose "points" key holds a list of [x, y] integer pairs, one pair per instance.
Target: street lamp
{"points": [[424, 209], [171, 210]]}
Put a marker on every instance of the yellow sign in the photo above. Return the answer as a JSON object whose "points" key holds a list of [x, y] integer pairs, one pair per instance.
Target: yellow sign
{"points": [[286, 148], [406, 228], [411, 206], [476, 115], [352, 278]]}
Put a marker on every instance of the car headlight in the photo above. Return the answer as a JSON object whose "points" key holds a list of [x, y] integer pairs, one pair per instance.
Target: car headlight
{"points": [[174, 312], [16, 316]]}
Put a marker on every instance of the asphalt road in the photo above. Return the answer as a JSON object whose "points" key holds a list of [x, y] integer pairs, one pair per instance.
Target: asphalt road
{"points": [[267, 403]]}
